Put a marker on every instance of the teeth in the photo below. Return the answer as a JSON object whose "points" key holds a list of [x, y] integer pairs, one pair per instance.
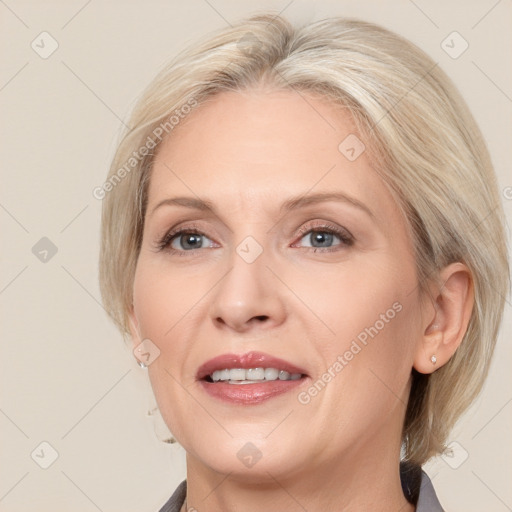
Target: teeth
{"points": [[271, 374], [252, 375]]}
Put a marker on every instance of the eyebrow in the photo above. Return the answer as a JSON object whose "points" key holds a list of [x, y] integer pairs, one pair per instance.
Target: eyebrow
{"points": [[290, 204]]}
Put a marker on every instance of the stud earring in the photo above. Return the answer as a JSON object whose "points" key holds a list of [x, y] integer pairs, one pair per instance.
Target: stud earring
{"points": [[433, 359], [141, 364]]}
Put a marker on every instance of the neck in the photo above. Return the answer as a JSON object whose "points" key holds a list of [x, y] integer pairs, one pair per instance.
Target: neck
{"points": [[359, 480]]}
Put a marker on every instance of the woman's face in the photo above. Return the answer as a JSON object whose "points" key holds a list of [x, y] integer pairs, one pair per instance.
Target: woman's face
{"points": [[327, 284]]}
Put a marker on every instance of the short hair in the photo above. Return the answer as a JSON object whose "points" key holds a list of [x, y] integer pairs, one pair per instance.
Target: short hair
{"points": [[420, 137]]}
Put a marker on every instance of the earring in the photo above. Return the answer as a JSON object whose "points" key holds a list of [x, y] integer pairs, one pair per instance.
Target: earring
{"points": [[141, 364], [161, 430], [433, 359]]}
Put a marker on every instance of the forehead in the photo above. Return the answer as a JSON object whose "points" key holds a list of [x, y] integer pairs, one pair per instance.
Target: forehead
{"points": [[257, 147]]}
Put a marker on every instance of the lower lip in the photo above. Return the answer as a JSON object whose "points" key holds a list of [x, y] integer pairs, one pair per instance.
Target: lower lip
{"points": [[250, 394]]}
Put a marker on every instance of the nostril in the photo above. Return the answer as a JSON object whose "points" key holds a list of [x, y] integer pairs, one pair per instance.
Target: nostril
{"points": [[261, 317]]}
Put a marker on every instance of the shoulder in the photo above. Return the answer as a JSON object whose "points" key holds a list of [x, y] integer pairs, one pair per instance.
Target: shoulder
{"points": [[416, 485], [418, 488], [427, 499], [177, 499]]}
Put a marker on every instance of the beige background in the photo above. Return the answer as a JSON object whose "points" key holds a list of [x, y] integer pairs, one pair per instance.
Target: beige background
{"points": [[66, 377]]}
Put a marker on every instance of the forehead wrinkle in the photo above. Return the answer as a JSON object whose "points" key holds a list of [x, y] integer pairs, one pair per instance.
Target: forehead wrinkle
{"points": [[293, 203]]}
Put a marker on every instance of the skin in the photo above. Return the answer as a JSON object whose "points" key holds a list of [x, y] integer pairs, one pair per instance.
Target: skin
{"points": [[247, 153]]}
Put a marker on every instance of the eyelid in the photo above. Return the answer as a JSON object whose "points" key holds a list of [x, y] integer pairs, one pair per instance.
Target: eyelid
{"points": [[347, 239], [163, 241], [327, 225]]}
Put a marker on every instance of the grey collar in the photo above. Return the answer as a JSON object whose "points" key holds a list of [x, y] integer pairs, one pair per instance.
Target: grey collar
{"points": [[416, 485]]}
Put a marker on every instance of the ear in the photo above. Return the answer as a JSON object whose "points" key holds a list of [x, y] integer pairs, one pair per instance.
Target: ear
{"points": [[453, 303], [134, 328]]}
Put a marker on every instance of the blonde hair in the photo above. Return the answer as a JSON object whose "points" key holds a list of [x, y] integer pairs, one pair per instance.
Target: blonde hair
{"points": [[420, 136]]}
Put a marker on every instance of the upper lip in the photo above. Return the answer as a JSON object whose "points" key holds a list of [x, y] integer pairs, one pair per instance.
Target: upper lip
{"points": [[247, 360]]}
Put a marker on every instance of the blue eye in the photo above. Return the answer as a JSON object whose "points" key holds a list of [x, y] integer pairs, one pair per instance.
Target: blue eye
{"points": [[328, 238], [188, 240], [324, 238], [321, 237], [184, 240]]}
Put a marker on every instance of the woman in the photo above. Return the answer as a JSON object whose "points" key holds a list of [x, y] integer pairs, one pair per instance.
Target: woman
{"points": [[302, 237]]}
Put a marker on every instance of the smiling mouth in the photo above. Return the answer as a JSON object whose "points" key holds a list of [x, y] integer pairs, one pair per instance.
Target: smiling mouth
{"points": [[250, 378], [251, 392], [258, 375]]}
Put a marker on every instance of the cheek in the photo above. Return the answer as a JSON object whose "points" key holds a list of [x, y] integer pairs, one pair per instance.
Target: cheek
{"points": [[366, 294], [367, 320], [378, 375], [163, 297]]}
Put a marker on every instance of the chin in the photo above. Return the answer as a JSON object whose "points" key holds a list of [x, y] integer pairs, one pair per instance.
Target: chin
{"points": [[249, 459]]}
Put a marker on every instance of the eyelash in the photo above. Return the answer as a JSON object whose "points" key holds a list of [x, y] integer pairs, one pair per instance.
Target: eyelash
{"points": [[345, 237]]}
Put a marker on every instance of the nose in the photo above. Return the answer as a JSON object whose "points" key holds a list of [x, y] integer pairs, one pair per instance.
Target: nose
{"points": [[248, 297]]}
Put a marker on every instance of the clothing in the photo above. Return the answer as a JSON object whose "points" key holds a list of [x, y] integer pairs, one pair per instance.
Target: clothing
{"points": [[416, 485]]}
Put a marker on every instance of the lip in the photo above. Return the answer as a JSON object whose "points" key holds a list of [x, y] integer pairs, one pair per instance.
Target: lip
{"points": [[251, 394], [254, 393], [248, 360]]}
